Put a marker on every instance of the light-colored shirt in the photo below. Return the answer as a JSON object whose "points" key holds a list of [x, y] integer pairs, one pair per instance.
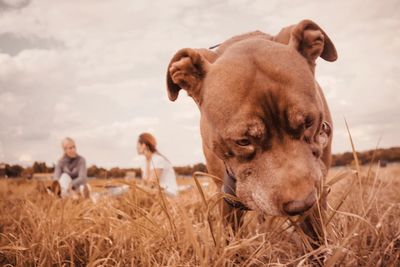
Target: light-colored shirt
{"points": [[167, 174]]}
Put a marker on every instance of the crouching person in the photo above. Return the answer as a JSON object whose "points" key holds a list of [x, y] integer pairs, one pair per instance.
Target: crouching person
{"points": [[70, 174]]}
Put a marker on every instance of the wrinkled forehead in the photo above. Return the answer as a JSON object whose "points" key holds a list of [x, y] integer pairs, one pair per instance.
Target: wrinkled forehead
{"points": [[253, 79], [245, 119]]}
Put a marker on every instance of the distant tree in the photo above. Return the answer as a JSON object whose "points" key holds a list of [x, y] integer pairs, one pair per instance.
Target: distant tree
{"points": [[2, 170], [392, 154], [183, 170], [40, 167], [93, 171], [27, 173], [382, 154], [116, 173], [137, 171], [14, 170], [200, 167], [102, 173], [190, 169], [51, 169]]}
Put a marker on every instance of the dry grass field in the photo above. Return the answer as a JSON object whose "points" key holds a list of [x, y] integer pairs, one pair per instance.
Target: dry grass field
{"points": [[144, 229]]}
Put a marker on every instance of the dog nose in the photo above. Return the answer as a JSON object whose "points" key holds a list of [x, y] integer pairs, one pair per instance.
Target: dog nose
{"points": [[297, 207]]}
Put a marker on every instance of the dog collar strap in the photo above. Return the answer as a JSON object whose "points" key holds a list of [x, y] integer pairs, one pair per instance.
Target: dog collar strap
{"points": [[229, 187], [214, 46]]}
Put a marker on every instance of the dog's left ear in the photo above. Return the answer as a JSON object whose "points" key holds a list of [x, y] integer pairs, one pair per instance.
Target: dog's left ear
{"points": [[309, 39]]}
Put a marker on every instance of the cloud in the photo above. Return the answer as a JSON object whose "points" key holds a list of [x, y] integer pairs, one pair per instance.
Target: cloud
{"points": [[25, 158], [7, 5], [96, 72], [9, 104], [2, 154], [13, 44]]}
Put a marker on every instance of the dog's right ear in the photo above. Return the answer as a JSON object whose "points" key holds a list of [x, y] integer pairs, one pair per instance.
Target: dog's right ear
{"points": [[310, 40], [186, 70]]}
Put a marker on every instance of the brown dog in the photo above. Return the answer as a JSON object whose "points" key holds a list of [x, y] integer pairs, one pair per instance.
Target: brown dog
{"points": [[265, 124]]}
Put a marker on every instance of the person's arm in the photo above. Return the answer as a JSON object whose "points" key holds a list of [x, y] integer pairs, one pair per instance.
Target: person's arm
{"points": [[82, 177], [155, 175], [154, 168], [57, 171], [146, 174], [151, 179]]}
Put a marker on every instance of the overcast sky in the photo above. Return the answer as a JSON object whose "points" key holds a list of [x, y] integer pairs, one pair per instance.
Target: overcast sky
{"points": [[95, 71]]}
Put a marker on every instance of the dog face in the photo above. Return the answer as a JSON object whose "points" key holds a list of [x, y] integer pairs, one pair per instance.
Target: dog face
{"points": [[262, 113]]}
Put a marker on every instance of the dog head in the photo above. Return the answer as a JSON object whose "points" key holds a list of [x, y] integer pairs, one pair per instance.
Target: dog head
{"points": [[262, 112]]}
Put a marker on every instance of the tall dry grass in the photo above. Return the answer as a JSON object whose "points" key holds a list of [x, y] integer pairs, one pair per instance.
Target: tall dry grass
{"points": [[141, 229]]}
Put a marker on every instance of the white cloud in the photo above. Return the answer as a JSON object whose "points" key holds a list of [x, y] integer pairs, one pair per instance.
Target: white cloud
{"points": [[2, 154], [9, 104], [25, 159], [106, 83]]}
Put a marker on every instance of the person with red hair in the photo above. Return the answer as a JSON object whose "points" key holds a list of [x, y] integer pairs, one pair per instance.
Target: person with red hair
{"points": [[157, 167]]}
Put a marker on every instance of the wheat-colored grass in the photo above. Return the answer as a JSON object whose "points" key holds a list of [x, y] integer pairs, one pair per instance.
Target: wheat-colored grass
{"points": [[141, 229]]}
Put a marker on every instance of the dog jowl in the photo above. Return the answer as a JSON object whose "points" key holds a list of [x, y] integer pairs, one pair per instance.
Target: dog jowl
{"points": [[265, 124]]}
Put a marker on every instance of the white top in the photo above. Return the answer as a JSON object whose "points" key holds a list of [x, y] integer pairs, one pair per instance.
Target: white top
{"points": [[167, 174]]}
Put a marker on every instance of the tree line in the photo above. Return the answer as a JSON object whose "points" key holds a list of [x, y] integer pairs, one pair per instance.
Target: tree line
{"points": [[7, 170], [382, 154]]}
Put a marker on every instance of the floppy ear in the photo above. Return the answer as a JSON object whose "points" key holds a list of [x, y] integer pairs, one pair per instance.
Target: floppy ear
{"points": [[309, 39], [186, 70]]}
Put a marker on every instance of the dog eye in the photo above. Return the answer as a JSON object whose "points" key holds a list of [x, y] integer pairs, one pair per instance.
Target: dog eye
{"points": [[309, 121], [243, 142]]}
